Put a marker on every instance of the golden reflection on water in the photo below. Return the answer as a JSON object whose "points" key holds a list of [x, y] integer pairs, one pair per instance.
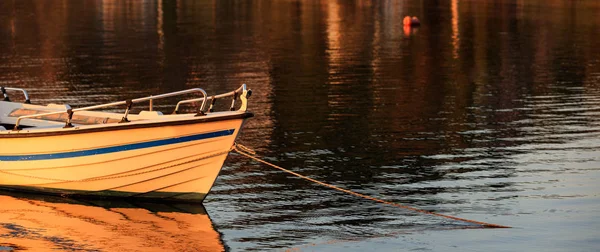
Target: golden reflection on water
{"points": [[333, 36], [42, 225], [455, 31]]}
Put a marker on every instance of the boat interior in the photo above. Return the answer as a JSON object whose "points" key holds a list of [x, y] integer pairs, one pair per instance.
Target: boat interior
{"points": [[15, 116]]}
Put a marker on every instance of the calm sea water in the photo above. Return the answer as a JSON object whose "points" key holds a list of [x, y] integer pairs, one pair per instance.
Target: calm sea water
{"points": [[489, 111]]}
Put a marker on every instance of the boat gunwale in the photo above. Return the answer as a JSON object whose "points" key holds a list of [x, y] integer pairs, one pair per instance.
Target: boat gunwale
{"points": [[124, 126]]}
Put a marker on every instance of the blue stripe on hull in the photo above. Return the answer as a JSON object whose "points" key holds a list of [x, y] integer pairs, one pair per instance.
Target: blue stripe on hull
{"points": [[113, 149]]}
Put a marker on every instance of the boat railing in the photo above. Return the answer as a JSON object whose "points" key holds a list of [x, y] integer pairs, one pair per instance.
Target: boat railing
{"points": [[69, 111], [6, 98], [240, 91]]}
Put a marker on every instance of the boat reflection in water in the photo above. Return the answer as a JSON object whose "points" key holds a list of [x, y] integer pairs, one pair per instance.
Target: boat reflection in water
{"points": [[41, 223]]}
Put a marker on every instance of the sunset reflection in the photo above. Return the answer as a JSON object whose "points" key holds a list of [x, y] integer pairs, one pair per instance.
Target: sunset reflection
{"points": [[159, 27], [333, 35], [455, 31], [63, 224]]}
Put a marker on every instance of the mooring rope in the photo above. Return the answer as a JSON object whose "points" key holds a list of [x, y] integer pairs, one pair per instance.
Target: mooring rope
{"points": [[245, 151]]}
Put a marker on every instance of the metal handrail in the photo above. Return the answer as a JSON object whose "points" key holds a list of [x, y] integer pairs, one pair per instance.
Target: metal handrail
{"points": [[15, 89], [234, 93], [126, 102]]}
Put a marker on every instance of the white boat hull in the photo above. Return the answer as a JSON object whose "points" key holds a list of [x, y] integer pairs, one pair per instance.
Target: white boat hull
{"points": [[169, 158], [180, 163]]}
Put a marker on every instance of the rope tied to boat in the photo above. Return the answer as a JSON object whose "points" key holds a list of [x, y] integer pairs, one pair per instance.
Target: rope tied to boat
{"points": [[245, 151]]}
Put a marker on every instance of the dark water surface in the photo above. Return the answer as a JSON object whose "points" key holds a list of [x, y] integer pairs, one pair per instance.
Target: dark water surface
{"points": [[489, 111]]}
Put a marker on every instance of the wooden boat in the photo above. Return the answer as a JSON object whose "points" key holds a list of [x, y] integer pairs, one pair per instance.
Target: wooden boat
{"points": [[57, 149]]}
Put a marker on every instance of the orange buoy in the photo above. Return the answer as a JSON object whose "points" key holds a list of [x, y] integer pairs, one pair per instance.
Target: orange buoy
{"points": [[406, 21]]}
